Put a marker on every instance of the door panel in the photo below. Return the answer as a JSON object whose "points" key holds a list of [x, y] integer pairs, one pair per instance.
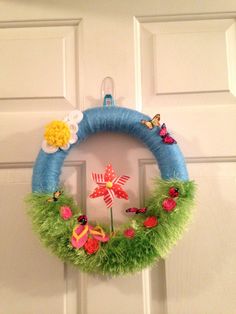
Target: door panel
{"points": [[209, 268], [38, 65], [176, 60], [27, 273]]}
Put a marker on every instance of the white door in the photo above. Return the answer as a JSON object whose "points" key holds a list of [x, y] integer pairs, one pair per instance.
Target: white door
{"points": [[173, 58]]}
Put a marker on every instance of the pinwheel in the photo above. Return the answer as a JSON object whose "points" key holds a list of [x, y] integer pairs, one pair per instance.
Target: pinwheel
{"points": [[109, 186]]}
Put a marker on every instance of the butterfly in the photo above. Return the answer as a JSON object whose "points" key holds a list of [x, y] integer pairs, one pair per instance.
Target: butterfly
{"points": [[55, 197], [151, 123], [166, 138], [136, 210]]}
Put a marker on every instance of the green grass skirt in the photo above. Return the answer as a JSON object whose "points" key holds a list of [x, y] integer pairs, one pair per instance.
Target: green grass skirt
{"points": [[120, 255]]}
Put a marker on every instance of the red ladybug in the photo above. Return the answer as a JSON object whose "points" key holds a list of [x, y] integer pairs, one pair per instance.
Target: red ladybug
{"points": [[82, 220], [173, 192]]}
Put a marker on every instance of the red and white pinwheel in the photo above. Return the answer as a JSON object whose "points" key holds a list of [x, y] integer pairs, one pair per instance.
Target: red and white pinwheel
{"points": [[109, 186]]}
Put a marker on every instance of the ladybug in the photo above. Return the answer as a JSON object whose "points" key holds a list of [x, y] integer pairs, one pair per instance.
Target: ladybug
{"points": [[82, 220], [173, 192]]}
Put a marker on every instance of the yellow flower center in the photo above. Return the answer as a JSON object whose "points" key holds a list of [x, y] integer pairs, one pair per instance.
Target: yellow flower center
{"points": [[109, 185], [57, 133]]}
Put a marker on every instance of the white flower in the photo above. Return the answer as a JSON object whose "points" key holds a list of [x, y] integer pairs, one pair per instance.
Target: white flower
{"points": [[61, 134]]}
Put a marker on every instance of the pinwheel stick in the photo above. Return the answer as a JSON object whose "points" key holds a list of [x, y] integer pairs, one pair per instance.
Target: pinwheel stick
{"points": [[112, 225]]}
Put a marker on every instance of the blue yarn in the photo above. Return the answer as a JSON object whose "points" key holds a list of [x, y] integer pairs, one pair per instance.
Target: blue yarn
{"points": [[170, 160]]}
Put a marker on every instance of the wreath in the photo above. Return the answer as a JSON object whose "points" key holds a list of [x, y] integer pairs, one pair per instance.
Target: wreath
{"points": [[149, 232]]}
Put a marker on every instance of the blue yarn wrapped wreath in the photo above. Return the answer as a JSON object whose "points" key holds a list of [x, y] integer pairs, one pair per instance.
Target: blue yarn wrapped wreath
{"points": [[111, 119], [153, 232]]}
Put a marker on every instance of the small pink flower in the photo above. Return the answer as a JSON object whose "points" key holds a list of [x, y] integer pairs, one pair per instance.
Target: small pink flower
{"points": [[65, 212], [168, 204], [129, 233], [150, 222]]}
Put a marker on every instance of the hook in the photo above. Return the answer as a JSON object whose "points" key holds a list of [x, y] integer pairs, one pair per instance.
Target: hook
{"points": [[108, 91]]}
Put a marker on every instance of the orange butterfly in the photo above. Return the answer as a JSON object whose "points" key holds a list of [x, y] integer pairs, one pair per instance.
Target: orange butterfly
{"points": [[151, 123], [55, 197]]}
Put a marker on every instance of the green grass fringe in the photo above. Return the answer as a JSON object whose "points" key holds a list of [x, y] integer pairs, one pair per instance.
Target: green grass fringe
{"points": [[120, 255]]}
